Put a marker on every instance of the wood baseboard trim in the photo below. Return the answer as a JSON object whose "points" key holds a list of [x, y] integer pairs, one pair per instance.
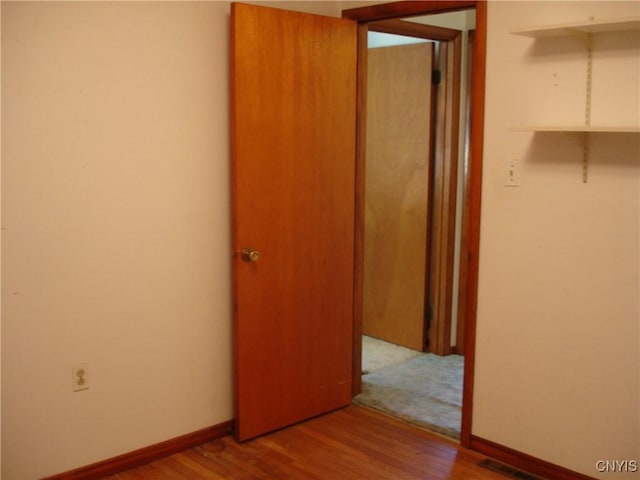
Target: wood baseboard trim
{"points": [[148, 454], [523, 461]]}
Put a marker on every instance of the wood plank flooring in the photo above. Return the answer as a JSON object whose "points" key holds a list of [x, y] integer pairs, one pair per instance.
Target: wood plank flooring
{"points": [[351, 444]]}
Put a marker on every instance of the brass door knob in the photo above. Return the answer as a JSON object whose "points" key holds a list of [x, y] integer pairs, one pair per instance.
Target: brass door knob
{"points": [[250, 255]]}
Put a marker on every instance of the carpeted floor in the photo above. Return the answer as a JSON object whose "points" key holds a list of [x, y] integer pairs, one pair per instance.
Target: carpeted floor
{"points": [[377, 354], [423, 389]]}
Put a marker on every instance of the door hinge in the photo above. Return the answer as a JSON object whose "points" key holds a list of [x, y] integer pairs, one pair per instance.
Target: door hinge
{"points": [[436, 77]]}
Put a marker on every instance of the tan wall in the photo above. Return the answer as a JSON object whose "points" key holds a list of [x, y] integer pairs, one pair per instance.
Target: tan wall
{"points": [[116, 241], [558, 312]]}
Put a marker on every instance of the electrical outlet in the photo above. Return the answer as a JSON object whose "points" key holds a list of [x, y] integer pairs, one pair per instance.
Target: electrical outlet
{"points": [[80, 377], [512, 173]]}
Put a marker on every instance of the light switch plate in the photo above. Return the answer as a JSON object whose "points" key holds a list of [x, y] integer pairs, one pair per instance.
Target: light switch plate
{"points": [[512, 173]]}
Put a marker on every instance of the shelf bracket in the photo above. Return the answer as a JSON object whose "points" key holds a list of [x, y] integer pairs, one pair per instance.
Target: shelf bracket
{"points": [[585, 156], [586, 38], [587, 107]]}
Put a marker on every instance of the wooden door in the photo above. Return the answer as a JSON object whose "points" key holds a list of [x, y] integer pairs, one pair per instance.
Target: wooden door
{"points": [[293, 188], [396, 193]]}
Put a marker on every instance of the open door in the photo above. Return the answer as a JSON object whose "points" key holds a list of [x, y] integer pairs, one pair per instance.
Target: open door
{"points": [[399, 111], [293, 186]]}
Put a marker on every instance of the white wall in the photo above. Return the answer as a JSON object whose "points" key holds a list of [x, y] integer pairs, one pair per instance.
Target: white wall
{"points": [[116, 241], [557, 365], [116, 238]]}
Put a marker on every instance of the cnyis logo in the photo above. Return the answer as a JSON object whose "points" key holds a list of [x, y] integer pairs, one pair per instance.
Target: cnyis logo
{"points": [[617, 466]]}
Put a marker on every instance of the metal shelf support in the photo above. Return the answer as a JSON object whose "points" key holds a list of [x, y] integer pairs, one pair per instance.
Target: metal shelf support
{"points": [[587, 110]]}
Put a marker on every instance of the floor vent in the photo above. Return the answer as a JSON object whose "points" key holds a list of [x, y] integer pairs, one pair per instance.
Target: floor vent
{"points": [[507, 470]]}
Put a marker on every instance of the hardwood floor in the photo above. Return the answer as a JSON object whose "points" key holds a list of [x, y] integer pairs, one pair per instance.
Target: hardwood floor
{"points": [[352, 443]]}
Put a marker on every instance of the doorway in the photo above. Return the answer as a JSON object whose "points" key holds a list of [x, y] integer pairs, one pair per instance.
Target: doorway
{"points": [[289, 281], [470, 171], [415, 137]]}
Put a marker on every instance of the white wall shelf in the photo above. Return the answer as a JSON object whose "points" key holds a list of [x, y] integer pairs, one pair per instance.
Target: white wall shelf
{"points": [[575, 128], [584, 31], [586, 27]]}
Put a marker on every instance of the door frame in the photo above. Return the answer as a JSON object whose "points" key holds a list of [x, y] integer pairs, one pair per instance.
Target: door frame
{"points": [[473, 174], [464, 221]]}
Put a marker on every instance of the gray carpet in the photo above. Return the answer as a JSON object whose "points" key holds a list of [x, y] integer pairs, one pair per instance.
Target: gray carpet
{"points": [[378, 354], [425, 390]]}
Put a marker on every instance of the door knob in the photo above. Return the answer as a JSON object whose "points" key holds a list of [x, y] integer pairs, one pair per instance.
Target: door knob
{"points": [[250, 255]]}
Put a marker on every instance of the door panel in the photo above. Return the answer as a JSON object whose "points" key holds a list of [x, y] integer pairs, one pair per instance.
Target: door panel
{"points": [[396, 193], [293, 180]]}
